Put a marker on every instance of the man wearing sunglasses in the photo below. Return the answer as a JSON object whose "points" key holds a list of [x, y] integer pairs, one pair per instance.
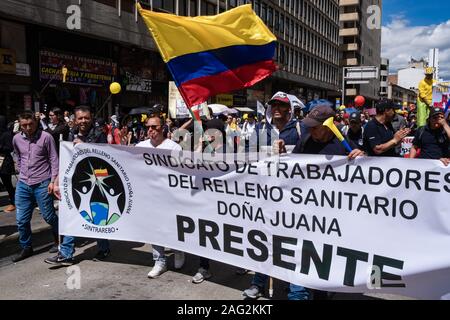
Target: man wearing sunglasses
{"points": [[433, 140], [156, 139]]}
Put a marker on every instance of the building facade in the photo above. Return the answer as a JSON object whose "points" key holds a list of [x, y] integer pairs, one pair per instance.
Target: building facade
{"points": [[111, 43], [360, 43], [400, 95], [410, 78]]}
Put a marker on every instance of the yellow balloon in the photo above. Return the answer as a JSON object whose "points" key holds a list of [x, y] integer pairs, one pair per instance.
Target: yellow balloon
{"points": [[342, 108], [115, 88]]}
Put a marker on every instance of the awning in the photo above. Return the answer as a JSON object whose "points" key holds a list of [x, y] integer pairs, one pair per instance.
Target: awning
{"points": [[244, 109]]}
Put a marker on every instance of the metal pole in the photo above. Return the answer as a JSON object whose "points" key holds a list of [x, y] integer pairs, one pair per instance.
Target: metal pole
{"points": [[135, 11], [343, 86]]}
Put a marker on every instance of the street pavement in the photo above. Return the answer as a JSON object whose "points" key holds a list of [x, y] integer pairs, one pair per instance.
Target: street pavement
{"points": [[122, 276]]}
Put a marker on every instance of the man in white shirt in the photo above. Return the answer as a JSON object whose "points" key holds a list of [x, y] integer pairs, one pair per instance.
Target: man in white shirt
{"points": [[156, 140]]}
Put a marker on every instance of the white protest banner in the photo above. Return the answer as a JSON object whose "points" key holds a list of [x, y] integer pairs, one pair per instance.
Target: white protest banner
{"points": [[373, 224]]}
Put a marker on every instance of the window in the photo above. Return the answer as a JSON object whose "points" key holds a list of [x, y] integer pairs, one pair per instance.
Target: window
{"points": [[193, 8], [182, 9], [264, 12], [282, 23], [157, 4], [211, 9], [169, 5], [256, 7], [277, 21], [270, 17], [292, 32], [287, 28], [203, 8]]}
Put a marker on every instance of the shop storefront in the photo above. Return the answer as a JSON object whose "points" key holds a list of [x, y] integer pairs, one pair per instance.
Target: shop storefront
{"points": [[144, 79], [86, 82], [15, 74]]}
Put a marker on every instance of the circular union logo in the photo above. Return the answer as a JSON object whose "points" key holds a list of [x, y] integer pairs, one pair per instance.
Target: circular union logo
{"points": [[98, 192]]}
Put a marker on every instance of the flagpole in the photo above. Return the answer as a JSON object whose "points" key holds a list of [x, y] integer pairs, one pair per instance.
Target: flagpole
{"points": [[200, 127]]}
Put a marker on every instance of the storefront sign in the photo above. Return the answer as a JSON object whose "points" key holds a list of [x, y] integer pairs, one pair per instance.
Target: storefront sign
{"points": [[23, 69], [136, 83], [81, 69], [225, 99], [7, 61]]}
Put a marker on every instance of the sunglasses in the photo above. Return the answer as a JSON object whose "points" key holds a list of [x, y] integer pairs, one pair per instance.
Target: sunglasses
{"points": [[153, 127]]}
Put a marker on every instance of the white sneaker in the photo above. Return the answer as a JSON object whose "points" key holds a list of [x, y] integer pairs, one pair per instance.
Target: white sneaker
{"points": [[253, 292], [157, 270], [179, 259], [201, 275]]}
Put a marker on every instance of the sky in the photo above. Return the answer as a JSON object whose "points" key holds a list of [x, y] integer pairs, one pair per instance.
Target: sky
{"points": [[411, 27]]}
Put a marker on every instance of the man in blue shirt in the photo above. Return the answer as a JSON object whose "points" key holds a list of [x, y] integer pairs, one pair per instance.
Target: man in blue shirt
{"points": [[380, 139]]}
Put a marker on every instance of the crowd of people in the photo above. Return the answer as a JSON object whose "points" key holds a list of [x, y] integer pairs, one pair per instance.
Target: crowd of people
{"points": [[30, 146]]}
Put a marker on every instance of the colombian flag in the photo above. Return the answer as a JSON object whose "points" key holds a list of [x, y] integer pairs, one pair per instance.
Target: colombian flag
{"points": [[208, 55]]}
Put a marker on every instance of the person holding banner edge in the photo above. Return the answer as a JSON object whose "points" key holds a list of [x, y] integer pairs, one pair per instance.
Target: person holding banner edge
{"points": [[155, 127], [379, 137], [320, 139], [84, 132], [281, 129]]}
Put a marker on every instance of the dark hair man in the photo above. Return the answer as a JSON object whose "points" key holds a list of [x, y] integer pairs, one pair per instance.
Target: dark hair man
{"points": [[379, 137], [38, 169], [83, 131]]}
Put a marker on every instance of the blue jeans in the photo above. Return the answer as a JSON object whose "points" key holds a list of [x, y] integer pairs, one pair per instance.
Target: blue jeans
{"points": [[26, 197], [296, 292], [102, 244], [159, 255]]}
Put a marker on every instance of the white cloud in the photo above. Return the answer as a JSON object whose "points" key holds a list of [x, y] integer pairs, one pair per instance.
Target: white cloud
{"points": [[400, 41]]}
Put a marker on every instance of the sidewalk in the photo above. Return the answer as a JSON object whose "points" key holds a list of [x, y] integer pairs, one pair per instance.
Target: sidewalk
{"points": [[9, 243]]}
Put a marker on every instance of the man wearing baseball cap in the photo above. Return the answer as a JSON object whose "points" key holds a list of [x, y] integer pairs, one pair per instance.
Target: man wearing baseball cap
{"points": [[320, 139], [433, 140], [354, 130], [280, 124], [379, 136], [425, 98]]}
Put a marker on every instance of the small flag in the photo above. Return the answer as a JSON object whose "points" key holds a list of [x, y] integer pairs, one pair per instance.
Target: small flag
{"points": [[101, 173], [295, 102], [260, 108], [209, 55]]}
